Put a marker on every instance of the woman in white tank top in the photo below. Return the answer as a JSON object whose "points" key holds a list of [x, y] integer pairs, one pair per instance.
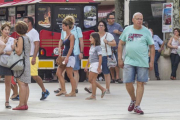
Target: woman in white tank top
{"points": [[173, 43]]}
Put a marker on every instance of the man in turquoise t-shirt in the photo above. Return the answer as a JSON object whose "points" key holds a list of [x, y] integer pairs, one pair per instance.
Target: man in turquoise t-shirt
{"points": [[137, 39]]}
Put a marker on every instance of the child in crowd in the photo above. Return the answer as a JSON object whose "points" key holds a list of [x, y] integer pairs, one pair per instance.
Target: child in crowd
{"points": [[95, 60]]}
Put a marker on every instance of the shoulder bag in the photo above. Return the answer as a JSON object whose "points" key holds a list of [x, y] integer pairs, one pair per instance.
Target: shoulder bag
{"points": [[16, 62], [111, 61]]}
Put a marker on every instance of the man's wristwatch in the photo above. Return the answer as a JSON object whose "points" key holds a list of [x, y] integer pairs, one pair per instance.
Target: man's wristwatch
{"points": [[82, 52]]}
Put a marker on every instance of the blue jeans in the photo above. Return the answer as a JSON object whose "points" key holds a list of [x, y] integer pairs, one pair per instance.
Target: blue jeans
{"points": [[174, 63], [157, 55]]}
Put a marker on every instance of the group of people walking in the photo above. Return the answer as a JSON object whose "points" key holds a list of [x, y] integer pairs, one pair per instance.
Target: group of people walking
{"points": [[139, 45]]}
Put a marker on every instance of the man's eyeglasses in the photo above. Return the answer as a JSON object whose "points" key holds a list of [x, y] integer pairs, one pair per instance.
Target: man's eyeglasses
{"points": [[111, 18], [138, 19], [101, 25]]}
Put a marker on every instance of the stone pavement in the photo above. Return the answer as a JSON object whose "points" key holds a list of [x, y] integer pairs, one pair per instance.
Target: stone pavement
{"points": [[161, 102]]}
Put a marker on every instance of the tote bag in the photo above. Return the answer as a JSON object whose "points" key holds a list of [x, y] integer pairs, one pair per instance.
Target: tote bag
{"points": [[111, 61]]}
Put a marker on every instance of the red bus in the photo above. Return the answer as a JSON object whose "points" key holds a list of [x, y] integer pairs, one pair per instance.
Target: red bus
{"points": [[48, 16]]}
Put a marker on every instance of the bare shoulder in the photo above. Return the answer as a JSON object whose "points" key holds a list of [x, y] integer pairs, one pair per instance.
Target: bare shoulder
{"points": [[71, 37]]}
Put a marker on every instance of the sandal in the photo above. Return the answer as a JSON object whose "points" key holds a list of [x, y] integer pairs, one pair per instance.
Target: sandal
{"points": [[90, 98], [16, 98], [86, 89], [103, 93], [57, 91], [61, 93], [70, 95], [7, 106]]}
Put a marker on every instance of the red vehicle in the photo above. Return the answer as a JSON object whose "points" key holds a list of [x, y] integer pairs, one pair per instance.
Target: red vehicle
{"points": [[48, 16]]}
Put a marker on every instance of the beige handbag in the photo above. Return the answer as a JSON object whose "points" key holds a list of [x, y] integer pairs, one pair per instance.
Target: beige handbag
{"points": [[2, 46], [167, 52]]}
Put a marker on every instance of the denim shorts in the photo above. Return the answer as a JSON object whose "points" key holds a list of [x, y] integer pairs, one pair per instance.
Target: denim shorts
{"points": [[77, 63], [105, 68], [129, 73]]}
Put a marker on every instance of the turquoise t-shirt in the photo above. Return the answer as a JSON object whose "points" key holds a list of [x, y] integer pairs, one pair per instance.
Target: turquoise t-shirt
{"points": [[137, 43], [77, 32]]}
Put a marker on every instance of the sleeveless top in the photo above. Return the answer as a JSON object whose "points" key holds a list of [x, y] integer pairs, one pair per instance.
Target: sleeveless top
{"points": [[174, 43], [66, 43]]}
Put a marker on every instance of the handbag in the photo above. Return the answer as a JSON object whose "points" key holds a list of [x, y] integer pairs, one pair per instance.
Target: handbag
{"points": [[111, 61], [2, 46], [59, 60], [167, 52], [16, 62]]}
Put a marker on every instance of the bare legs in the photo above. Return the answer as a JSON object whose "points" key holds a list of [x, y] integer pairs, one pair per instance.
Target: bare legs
{"points": [[139, 92], [76, 77], [40, 82], [14, 87], [108, 80], [59, 73], [92, 80], [69, 71], [23, 93], [7, 89]]}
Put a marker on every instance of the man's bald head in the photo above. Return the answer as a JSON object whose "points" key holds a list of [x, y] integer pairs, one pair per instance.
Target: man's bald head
{"points": [[137, 20], [137, 13]]}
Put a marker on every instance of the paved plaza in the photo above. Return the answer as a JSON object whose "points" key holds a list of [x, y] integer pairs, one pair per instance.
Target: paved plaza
{"points": [[161, 102]]}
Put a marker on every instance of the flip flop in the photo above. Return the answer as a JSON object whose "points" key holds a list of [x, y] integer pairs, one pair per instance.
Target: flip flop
{"points": [[90, 98], [86, 89], [68, 95], [103, 93], [59, 94]]}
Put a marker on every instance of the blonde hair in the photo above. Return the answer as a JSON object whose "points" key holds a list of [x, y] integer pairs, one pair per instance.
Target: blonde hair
{"points": [[21, 27], [6, 24], [69, 20]]}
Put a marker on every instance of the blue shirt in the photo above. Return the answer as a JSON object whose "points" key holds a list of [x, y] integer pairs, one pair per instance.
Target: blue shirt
{"points": [[157, 42], [137, 44], [113, 27], [77, 32]]}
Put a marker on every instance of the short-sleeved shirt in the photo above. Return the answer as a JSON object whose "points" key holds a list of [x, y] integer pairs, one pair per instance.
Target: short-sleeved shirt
{"points": [[109, 37], [137, 43], [77, 32], [94, 53], [33, 37], [157, 42], [113, 27], [3, 58]]}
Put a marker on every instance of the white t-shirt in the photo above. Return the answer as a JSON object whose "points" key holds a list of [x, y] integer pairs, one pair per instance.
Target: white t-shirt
{"points": [[3, 58], [33, 37], [109, 38]]}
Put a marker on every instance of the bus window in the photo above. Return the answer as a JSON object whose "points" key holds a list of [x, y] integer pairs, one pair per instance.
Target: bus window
{"points": [[44, 16], [90, 16], [31, 11], [2, 16], [12, 18], [21, 12]]}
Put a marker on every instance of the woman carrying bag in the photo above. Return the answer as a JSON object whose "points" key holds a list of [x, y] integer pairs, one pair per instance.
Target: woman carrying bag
{"points": [[173, 43], [23, 45], [107, 41], [4, 71]]}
